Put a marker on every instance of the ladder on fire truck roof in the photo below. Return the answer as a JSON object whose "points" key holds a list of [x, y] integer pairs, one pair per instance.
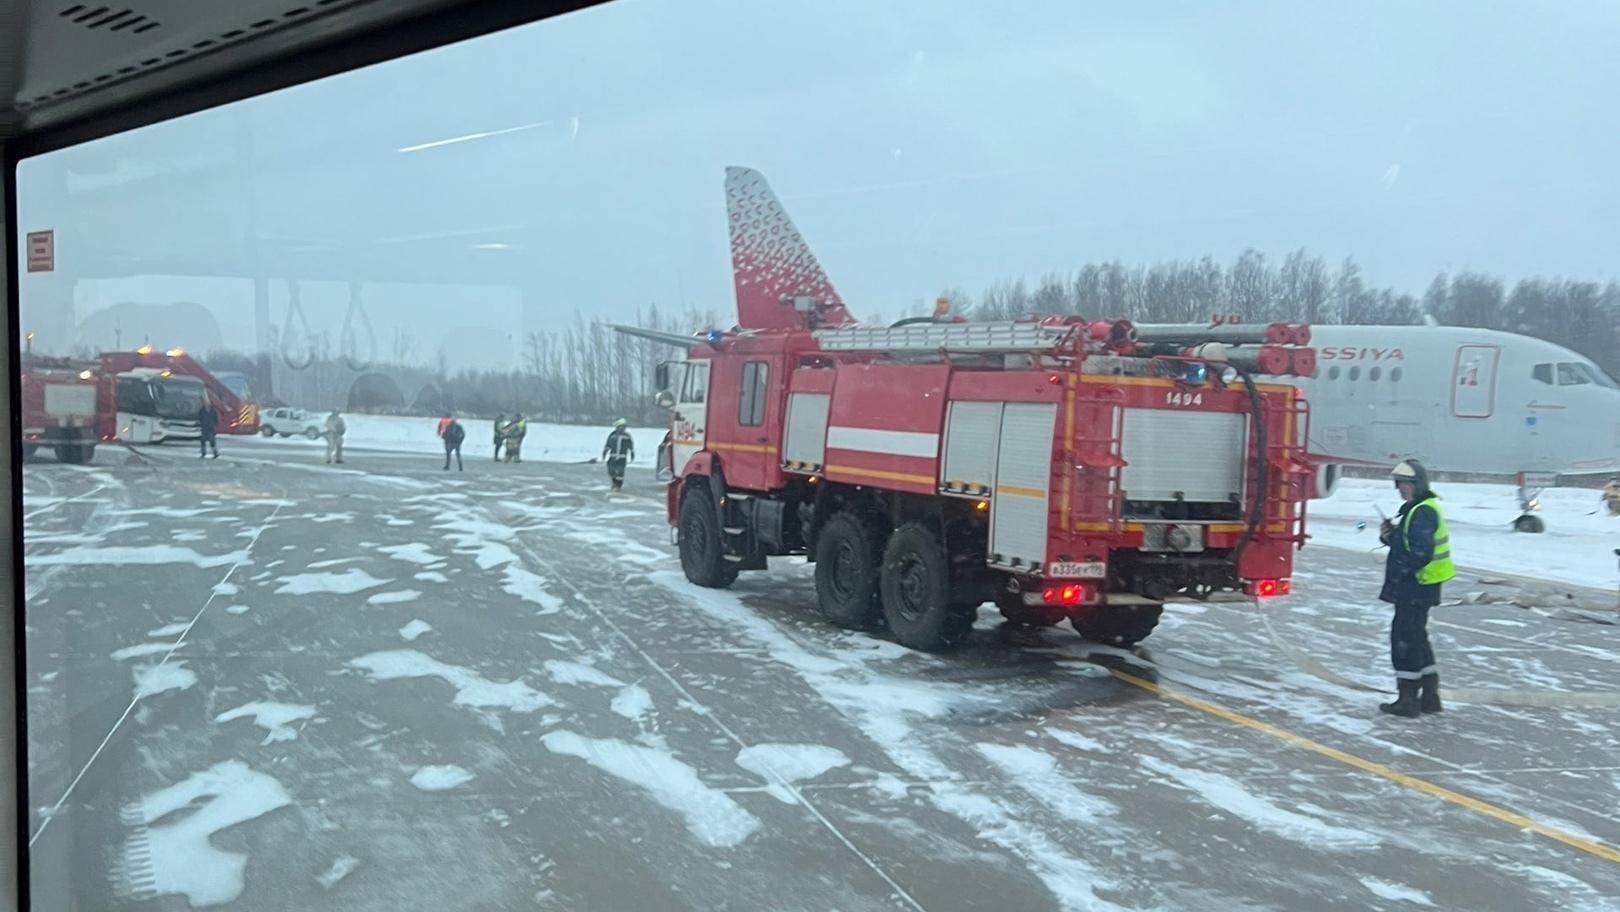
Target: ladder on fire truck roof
{"points": [[933, 337]]}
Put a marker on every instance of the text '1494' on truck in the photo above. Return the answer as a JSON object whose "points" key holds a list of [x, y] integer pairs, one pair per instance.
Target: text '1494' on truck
{"points": [[1061, 467]]}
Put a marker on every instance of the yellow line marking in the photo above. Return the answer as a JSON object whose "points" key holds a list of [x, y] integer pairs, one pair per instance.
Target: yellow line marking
{"points": [[683, 442], [1142, 527], [1017, 491], [880, 474], [1377, 769]]}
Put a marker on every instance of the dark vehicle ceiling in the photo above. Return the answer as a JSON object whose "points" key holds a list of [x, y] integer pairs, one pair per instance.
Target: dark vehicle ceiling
{"points": [[71, 71]]}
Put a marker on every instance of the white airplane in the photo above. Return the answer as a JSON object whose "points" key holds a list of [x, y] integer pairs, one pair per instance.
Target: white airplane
{"points": [[1459, 400]]}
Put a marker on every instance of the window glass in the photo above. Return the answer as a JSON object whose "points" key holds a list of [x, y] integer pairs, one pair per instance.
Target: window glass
{"points": [[354, 674], [751, 404], [697, 382]]}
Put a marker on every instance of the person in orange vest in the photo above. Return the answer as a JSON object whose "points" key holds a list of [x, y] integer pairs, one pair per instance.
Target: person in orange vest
{"points": [[444, 423]]}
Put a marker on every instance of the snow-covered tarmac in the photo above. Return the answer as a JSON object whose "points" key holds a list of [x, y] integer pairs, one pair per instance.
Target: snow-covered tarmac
{"points": [[266, 683]]}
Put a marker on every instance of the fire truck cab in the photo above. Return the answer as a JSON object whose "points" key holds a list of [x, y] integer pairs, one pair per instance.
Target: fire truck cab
{"points": [[1062, 468]]}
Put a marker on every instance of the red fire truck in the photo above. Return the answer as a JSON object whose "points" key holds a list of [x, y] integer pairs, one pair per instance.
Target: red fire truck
{"points": [[1059, 467], [159, 394], [66, 406]]}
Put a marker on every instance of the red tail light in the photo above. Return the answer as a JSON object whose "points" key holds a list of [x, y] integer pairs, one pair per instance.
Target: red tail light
{"points": [[1050, 595], [1268, 588], [1072, 594]]}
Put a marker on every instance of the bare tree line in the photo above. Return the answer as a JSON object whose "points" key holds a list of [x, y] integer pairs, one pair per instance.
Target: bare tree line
{"points": [[586, 373]]}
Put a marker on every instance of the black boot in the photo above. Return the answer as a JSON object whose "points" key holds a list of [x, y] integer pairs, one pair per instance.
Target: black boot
{"points": [[1429, 693], [1405, 705]]}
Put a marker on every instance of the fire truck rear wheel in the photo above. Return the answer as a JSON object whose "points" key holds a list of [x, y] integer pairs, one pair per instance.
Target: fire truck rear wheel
{"points": [[74, 454], [702, 557], [1121, 625], [916, 591], [29, 450], [1016, 612], [849, 554]]}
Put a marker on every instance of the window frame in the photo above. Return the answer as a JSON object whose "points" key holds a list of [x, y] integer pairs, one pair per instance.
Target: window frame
{"points": [[751, 396]]}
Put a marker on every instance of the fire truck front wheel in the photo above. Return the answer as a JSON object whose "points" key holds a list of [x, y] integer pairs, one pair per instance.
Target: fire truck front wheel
{"points": [[75, 453], [916, 591], [702, 557], [849, 552]]}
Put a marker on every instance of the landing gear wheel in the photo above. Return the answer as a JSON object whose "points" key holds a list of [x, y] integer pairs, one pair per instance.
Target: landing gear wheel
{"points": [[702, 557], [1529, 523], [1119, 625], [848, 558], [1019, 614], [915, 584]]}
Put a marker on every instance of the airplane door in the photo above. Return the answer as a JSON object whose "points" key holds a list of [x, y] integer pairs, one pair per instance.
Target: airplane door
{"points": [[1473, 381], [691, 413]]}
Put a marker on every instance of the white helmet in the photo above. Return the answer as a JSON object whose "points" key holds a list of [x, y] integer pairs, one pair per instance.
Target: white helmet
{"points": [[1413, 471]]}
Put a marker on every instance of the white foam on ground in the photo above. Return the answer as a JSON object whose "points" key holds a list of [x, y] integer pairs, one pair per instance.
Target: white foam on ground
{"points": [[1383, 889], [177, 858], [275, 718], [169, 630], [633, 702], [348, 582], [1229, 795], [432, 576], [412, 553], [711, 815], [440, 778], [472, 689], [342, 867], [143, 649], [128, 555], [884, 708], [575, 673], [415, 629], [1577, 548], [1076, 740], [226, 589], [781, 765], [397, 597], [238, 609], [531, 588], [155, 679], [1037, 773]]}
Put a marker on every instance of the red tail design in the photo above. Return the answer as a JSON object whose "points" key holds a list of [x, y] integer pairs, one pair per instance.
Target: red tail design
{"points": [[770, 262]]}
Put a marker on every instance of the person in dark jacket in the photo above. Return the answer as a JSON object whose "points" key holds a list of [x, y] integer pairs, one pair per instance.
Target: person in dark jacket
{"points": [[1419, 562], [500, 434], [618, 451], [208, 426], [453, 435]]}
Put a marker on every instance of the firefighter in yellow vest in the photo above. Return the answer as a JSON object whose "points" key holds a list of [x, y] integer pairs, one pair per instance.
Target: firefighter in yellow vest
{"points": [[1419, 561]]}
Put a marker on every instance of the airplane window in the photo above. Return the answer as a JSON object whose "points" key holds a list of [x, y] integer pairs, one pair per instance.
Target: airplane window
{"points": [[1394, 375], [1333, 372], [1373, 373], [1355, 373], [1543, 373], [1573, 374]]}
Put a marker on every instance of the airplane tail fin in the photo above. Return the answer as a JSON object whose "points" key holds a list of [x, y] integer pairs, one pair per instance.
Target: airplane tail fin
{"points": [[779, 283]]}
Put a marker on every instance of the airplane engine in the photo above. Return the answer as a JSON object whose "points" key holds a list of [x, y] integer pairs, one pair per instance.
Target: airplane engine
{"points": [[1325, 480]]}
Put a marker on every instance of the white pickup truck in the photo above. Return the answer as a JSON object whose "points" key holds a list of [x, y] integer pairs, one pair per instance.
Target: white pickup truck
{"points": [[287, 422]]}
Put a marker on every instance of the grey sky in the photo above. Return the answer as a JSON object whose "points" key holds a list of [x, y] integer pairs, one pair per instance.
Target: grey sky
{"points": [[919, 145]]}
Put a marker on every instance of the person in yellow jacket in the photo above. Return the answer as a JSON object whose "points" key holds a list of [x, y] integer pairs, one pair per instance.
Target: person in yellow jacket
{"points": [[1419, 561]]}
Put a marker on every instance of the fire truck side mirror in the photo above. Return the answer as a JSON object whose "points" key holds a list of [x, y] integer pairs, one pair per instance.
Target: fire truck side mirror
{"points": [[661, 376], [665, 399]]}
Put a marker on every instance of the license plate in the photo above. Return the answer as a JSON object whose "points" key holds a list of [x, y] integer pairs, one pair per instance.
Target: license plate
{"points": [[1078, 570]]}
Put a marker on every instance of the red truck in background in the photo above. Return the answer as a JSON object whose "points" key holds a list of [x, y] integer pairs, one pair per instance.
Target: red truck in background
{"points": [[67, 406]]}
